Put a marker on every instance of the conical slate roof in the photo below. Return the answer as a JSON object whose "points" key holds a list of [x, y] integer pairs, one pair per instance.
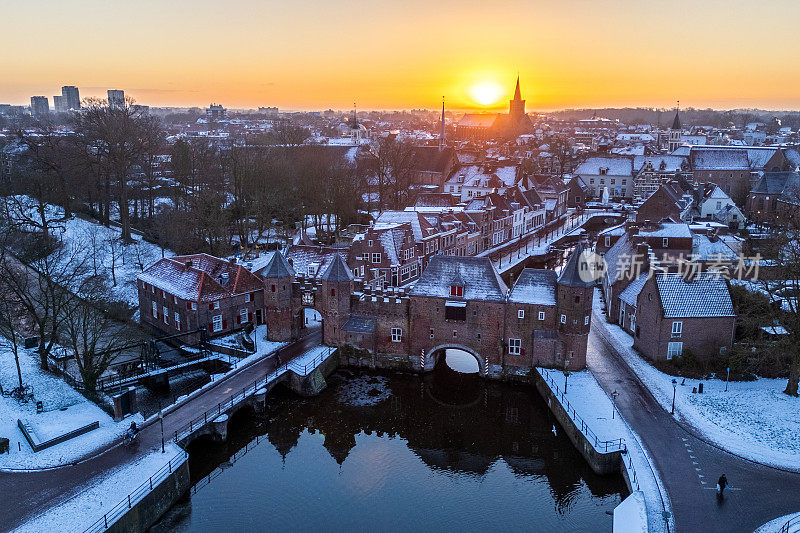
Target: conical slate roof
{"points": [[517, 93], [338, 270], [571, 273], [676, 124], [277, 267]]}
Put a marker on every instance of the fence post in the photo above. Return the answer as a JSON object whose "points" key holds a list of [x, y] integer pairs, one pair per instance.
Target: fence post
{"points": [[129, 501]]}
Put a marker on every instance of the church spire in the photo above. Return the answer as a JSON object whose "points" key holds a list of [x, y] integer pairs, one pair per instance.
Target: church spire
{"points": [[355, 117], [676, 124], [442, 139], [517, 94]]}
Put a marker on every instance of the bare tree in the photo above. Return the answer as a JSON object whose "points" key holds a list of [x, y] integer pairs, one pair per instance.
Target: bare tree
{"points": [[9, 329], [94, 338]]}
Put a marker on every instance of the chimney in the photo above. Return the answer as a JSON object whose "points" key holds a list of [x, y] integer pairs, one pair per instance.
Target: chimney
{"points": [[643, 257], [188, 263]]}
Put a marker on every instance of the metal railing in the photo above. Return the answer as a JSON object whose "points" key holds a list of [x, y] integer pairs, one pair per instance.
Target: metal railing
{"points": [[137, 494], [793, 524], [600, 445]]}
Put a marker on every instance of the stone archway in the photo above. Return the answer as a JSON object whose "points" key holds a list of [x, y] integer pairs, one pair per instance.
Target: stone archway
{"points": [[437, 352]]}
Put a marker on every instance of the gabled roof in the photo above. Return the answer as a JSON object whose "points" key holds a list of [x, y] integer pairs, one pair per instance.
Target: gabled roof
{"points": [[618, 258], [534, 286], [617, 166], [706, 295], [571, 275], [337, 270], [631, 292], [483, 282]]}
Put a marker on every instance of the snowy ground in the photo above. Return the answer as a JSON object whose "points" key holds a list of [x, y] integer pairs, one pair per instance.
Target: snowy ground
{"points": [[774, 526], [733, 420], [263, 346], [593, 405], [64, 410], [89, 505]]}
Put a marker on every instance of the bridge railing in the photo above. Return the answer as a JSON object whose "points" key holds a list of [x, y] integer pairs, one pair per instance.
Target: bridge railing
{"points": [[600, 445], [137, 494]]}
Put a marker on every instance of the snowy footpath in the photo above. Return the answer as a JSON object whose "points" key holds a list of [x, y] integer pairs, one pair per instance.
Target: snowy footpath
{"points": [[775, 526], [753, 419], [64, 410], [107, 492], [592, 404]]}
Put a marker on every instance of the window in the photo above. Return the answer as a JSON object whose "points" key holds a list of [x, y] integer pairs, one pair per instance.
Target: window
{"points": [[175, 299], [397, 335], [155, 310], [521, 313], [665, 242], [586, 320], [217, 322], [541, 315], [455, 310], [431, 333], [273, 288], [177, 320], [248, 298], [514, 346], [369, 244], [674, 349], [333, 292], [677, 328], [608, 240], [243, 315], [166, 315], [455, 334], [194, 306], [456, 290], [563, 319], [376, 258], [216, 304]]}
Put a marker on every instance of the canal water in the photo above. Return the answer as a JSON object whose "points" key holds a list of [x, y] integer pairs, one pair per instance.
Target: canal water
{"points": [[396, 452]]}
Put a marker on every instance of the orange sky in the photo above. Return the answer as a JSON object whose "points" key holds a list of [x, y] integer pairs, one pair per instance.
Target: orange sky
{"points": [[395, 55]]}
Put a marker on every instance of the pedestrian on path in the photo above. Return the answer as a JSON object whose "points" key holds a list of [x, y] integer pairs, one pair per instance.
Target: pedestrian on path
{"points": [[721, 484]]}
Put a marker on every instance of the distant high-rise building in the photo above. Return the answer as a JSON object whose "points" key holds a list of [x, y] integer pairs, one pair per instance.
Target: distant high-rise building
{"points": [[60, 104], [39, 106], [72, 97], [215, 112], [116, 98]]}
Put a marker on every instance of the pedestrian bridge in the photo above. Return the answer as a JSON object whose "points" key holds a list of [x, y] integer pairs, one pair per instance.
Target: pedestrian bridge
{"points": [[304, 374]]}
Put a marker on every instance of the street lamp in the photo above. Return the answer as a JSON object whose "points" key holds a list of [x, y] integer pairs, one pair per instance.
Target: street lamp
{"points": [[727, 378], [161, 421], [674, 391], [566, 374], [613, 397]]}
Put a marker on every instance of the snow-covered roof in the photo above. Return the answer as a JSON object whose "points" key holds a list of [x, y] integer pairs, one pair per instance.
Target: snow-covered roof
{"points": [[673, 230], [671, 163], [482, 281], [618, 258], [719, 159], [534, 286], [617, 166], [705, 249], [631, 292], [701, 296]]}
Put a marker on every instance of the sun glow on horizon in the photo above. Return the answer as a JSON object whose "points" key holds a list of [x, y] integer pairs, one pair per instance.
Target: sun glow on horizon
{"points": [[486, 92]]}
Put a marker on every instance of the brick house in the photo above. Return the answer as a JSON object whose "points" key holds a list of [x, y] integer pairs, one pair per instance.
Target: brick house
{"points": [[186, 293], [676, 315], [775, 198], [388, 255]]}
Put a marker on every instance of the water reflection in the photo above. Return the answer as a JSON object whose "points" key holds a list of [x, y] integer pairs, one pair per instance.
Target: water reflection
{"points": [[396, 452]]}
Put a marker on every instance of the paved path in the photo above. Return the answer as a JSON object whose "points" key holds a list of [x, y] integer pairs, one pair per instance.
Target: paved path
{"points": [[26, 494], [688, 465]]}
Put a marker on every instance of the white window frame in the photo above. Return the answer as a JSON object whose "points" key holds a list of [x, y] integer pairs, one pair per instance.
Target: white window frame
{"points": [[563, 319], [194, 306], [243, 315], [248, 298], [586, 320], [166, 315], [665, 242], [514, 346], [376, 257], [216, 322], [397, 334], [155, 310], [177, 320], [216, 304], [677, 328], [521, 313], [541, 315], [674, 349]]}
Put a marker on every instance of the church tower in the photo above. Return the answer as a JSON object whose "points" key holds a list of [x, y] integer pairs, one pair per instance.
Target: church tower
{"points": [[675, 132], [442, 140], [336, 287], [516, 107]]}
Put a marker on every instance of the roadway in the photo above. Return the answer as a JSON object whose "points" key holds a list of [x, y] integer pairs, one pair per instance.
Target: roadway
{"points": [[689, 465], [27, 494]]}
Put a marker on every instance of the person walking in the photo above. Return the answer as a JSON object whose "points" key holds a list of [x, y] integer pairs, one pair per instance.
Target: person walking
{"points": [[722, 483]]}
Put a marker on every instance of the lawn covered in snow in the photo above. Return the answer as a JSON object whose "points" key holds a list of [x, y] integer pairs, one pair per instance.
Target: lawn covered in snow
{"points": [[64, 410], [753, 419], [90, 504]]}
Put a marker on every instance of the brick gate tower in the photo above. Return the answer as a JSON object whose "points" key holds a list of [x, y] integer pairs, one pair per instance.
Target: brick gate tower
{"points": [[574, 292], [336, 287]]}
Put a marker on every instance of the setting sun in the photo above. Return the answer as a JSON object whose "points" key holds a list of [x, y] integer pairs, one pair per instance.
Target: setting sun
{"points": [[486, 92]]}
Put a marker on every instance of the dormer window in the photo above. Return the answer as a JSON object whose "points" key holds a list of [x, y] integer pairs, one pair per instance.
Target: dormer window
{"points": [[457, 290]]}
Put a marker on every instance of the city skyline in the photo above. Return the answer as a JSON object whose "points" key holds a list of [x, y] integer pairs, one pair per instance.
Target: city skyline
{"points": [[319, 55]]}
